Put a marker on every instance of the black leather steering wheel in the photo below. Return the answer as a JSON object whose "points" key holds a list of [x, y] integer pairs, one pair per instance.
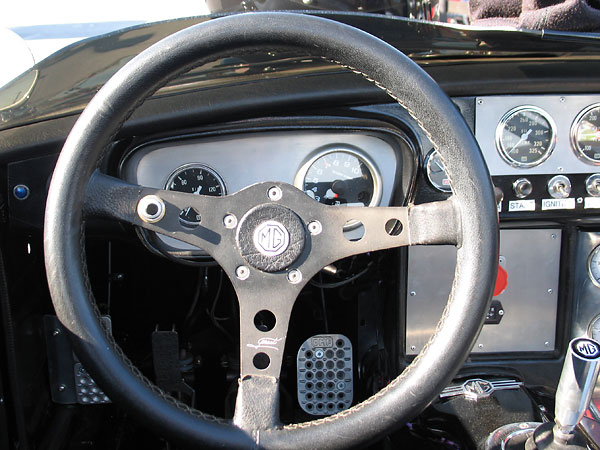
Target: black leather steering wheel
{"points": [[271, 278]]}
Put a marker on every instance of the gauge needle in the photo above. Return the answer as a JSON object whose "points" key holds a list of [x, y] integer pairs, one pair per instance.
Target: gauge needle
{"points": [[439, 165], [197, 191], [330, 194], [524, 137], [340, 174]]}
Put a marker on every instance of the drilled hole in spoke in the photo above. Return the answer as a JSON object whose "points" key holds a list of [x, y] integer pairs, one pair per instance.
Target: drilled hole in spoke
{"points": [[393, 227], [261, 361], [265, 320], [354, 230]]}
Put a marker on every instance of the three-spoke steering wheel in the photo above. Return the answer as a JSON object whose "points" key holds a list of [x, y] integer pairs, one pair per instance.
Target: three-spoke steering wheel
{"points": [[271, 238]]}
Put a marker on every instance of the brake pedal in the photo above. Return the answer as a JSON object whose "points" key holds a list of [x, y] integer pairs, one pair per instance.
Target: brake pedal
{"points": [[325, 374]]}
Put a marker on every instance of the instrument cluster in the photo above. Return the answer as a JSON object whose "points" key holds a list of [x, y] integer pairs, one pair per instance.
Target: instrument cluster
{"points": [[334, 168], [543, 152]]}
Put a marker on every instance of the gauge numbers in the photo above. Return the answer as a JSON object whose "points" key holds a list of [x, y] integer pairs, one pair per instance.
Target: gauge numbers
{"points": [[585, 134], [341, 178], [436, 172], [195, 179], [525, 136]]}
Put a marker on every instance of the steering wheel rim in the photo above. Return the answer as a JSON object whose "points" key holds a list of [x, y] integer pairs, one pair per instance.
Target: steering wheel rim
{"points": [[473, 202]]}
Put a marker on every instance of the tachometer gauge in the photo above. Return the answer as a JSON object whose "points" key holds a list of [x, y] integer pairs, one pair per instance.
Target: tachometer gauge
{"points": [[436, 172], [585, 134], [195, 179], [594, 266], [525, 136], [343, 177]]}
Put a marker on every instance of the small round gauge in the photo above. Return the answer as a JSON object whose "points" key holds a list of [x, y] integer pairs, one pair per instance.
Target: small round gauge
{"points": [[525, 136], [594, 266], [195, 179], [585, 134], [436, 172], [593, 330], [343, 177]]}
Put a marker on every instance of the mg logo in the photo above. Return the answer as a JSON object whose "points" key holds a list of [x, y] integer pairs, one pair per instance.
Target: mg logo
{"points": [[477, 388], [271, 238], [586, 348]]}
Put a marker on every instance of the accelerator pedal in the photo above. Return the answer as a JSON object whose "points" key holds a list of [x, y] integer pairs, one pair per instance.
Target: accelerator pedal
{"points": [[325, 374]]}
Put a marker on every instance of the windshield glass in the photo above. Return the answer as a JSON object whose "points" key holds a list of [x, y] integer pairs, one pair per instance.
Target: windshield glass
{"points": [[31, 31]]}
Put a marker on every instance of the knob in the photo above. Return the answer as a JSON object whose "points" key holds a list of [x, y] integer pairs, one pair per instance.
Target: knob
{"points": [[559, 186], [577, 381], [592, 185], [522, 187]]}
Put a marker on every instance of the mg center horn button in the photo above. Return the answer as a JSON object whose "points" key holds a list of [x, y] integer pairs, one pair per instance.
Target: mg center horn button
{"points": [[270, 237]]}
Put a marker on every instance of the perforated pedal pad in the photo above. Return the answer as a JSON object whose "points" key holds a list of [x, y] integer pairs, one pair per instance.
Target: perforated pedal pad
{"points": [[325, 377]]}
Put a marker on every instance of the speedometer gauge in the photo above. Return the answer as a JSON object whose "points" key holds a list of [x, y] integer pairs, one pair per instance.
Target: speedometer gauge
{"points": [[340, 177], [195, 179], [525, 136], [585, 134]]}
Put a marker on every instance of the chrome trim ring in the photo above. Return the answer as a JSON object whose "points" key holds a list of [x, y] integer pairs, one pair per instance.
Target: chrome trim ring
{"points": [[594, 253], [500, 128], [196, 166], [441, 188], [363, 157], [573, 134]]}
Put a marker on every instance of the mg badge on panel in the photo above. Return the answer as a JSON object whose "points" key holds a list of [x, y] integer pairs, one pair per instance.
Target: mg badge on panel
{"points": [[271, 238]]}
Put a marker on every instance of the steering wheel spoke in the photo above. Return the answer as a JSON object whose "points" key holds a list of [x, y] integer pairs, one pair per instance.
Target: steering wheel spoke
{"points": [[265, 302], [355, 230]]}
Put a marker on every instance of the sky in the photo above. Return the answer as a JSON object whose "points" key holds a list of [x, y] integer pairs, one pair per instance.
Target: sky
{"points": [[35, 12]]}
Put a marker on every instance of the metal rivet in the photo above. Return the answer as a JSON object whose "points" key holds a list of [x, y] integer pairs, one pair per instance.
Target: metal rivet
{"points": [[230, 221], [480, 346], [341, 386], [151, 209], [319, 353], [546, 343], [315, 227], [294, 276], [580, 200], [413, 293], [562, 99], [549, 291], [274, 193], [413, 347], [61, 387], [553, 236], [55, 332], [479, 101], [242, 272], [501, 312], [560, 169]]}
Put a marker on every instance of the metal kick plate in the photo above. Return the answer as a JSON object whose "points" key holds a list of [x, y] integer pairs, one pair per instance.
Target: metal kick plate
{"points": [[531, 259]]}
